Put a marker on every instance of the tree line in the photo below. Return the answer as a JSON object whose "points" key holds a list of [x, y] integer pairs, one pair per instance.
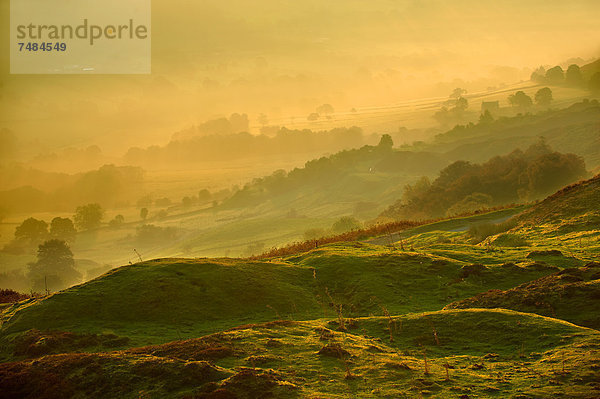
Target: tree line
{"points": [[464, 187]]}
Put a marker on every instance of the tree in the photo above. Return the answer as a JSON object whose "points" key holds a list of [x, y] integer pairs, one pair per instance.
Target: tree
{"points": [[455, 114], [520, 100], [186, 202], [457, 93], [552, 171], [486, 118], [54, 268], [325, 109], [461, 104], [313, 117], [543, 97], [32, 230], [470, 203], [88, 216], [386, 142], [117, 221], [555, 75], [574, 77], [539, 75], [144, 213], [63, 229]]}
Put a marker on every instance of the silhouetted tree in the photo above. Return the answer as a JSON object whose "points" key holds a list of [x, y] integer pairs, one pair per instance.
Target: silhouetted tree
{"points": [[313, 117], [457, 93], [386, 142], [186, 202], [88, 216], [54, 268], [539, 75], [543, 96], [555, 75], [63, 229], [117, 221], [461, 104], [455, 114], [520, 100], [32, 230], [486, 118], [144, 213], [325, 109], [574, 77]]}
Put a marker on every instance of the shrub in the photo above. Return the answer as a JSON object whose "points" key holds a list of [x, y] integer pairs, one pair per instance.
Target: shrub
{"points": [[480, 232], [511, 240], [10, 296]]}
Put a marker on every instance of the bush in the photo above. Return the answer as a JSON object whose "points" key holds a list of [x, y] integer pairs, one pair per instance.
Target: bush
{"points": [[511, 240], [10, 296], [480, 232]]}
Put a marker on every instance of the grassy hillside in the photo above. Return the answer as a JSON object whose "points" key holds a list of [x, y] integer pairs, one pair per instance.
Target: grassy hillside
{"points": [[351, 319], [572, 202], [162, 300], [442, 354], [571, 295], [572, 130]]}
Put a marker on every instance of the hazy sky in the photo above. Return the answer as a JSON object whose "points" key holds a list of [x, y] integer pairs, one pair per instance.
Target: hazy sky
{"points": [[280, 58]]}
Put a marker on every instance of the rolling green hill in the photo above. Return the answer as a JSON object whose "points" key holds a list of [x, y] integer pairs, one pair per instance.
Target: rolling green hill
{"points": [[477, 353], [162, 300]]}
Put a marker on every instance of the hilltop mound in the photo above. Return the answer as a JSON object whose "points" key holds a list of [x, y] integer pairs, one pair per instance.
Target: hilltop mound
{"points": [[571, 294], [574, 201], [164, 300], [469, 352], [149, 298]]}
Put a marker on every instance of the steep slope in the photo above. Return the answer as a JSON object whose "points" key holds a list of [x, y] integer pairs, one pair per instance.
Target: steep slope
{"points": [[571, 294], [575, 202]]}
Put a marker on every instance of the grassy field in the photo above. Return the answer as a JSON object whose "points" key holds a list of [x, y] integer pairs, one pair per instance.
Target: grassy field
{"points": [[478, 353]]}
